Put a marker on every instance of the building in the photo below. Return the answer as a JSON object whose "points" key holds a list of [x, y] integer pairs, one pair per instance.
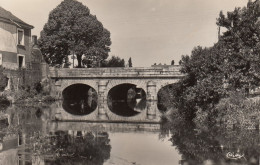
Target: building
{"points": [[20, 57], [14, 41]]}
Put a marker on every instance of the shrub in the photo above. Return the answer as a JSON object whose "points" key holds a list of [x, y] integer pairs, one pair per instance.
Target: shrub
{"points": [[4, 102], [38, 87], [48, 99], [3, 80]]}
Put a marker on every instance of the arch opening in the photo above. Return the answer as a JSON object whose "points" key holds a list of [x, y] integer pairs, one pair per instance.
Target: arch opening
{"points": [[79, 99], [126, 100], [165, 97]]}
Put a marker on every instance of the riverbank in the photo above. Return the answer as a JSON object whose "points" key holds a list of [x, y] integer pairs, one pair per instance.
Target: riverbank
{"points": [[28, 94], [236, 111]]}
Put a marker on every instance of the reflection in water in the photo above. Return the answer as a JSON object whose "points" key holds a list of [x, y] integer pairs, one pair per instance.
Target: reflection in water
{"points": [[126, 100], [214, 145], [79, 99], [69, 147], [31, 136]]}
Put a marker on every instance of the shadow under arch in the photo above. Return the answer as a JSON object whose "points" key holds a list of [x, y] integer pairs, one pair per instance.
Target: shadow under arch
{"points": [[126, 100], [165, 97], [79, 99]]}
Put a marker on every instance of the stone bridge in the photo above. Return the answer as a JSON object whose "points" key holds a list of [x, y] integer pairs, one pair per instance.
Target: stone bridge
{"points": [[150, 79], [103, 80]]}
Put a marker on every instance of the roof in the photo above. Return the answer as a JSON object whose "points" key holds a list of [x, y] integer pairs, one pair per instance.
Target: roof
{"points": [[8, 16]]}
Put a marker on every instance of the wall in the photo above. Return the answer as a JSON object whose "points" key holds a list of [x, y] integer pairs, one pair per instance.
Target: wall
{"points": [[9, 48], [24, 49], [23, 77], [8, 40]]}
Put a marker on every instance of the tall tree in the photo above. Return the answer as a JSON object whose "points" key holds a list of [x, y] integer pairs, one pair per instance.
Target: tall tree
{"points": [[242, 48], [71, 29], [130, 62], [232, 64], [172, 63]]}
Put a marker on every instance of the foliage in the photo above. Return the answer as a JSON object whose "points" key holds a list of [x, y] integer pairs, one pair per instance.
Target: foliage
{"points": [[114, 62], [30, 94], [238, 110], [4, 103], [202, 86], [68, 149], [232, 64], [242, 48], [38, 87], [165, 98], [3, 80], [71, 28], [198, 146], [48, 98], [212, 95]]}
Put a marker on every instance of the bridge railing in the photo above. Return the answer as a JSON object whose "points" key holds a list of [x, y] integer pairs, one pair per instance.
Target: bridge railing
{"points": [[173, 71]]}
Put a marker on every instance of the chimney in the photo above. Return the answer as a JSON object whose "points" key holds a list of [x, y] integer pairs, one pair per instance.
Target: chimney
{"points": [[34, 40]]}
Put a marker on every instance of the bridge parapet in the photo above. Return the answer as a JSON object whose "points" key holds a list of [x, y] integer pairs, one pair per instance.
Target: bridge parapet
{"points": [[138, 72]]}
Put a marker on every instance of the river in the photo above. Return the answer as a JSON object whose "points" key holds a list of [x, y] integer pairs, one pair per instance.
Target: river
{"points": [[49, 134]]}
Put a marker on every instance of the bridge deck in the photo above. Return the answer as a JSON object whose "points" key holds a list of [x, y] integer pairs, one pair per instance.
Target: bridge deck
{"points": [[148, 72]]}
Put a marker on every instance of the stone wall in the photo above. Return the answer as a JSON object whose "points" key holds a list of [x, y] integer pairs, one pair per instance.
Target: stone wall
{"points": [[22, 77]]}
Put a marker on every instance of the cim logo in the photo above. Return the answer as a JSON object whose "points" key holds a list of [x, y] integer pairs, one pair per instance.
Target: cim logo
{"points": [[235, 156]]}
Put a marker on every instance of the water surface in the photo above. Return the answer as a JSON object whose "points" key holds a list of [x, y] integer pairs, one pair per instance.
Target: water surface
{"points": [[49, 135]]}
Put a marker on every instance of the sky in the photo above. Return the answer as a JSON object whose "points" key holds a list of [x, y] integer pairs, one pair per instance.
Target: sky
{"points": [[148, 31]]}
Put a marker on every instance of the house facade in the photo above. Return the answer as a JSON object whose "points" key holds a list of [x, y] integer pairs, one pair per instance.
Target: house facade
{"points": [[14, 41], [20, 55]]}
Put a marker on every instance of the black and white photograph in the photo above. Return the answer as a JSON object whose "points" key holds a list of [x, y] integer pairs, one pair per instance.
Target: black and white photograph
{"points": [[129, 82]]}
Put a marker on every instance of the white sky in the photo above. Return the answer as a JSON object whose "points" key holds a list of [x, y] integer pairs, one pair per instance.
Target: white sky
{"points": [[149, 31]]}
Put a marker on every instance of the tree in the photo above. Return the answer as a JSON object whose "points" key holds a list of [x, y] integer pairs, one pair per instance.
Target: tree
{"points": [[130, 62], [114, 62], [232, 64], [242, 48], [202, 87], [172, 63], [71, 29]]}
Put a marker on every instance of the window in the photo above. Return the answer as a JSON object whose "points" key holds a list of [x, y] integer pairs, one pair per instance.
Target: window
{"points": [[20, 36], [21, 61]]}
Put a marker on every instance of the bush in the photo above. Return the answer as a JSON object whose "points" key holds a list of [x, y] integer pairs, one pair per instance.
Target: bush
{"points": [[48, 99], [23, 94], [38, 87], [3, 80], [4, 102]]}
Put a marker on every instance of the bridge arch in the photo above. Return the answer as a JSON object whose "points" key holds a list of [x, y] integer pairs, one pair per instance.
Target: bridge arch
{"points": [[79, 99], [165, 96], [115, 82], [126, 99]]}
